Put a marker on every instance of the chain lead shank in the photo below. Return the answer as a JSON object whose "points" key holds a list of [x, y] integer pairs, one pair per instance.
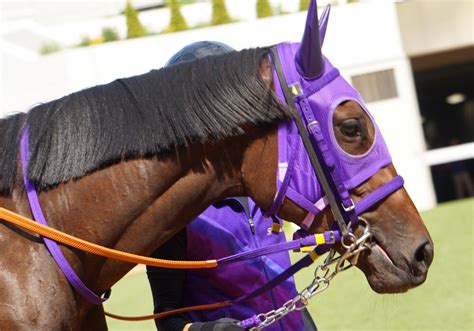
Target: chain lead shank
{"points": [[323, 274]]}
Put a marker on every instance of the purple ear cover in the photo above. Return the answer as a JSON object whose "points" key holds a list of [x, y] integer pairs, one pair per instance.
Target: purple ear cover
{"points": [[323, 23], [309, 58]]}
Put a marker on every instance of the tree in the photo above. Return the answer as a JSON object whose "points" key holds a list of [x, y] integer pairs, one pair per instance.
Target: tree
{"points": [[110, 34], [304, 4], [263, 8], [134, 27], [219, 13], [177, 22], [49, 47]]}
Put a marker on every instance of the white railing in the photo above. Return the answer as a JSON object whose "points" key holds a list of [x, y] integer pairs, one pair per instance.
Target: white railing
{"points": [[449, 154]]}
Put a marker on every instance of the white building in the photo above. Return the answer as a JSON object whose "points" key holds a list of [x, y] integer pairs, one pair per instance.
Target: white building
{"points": [[364, 41]]}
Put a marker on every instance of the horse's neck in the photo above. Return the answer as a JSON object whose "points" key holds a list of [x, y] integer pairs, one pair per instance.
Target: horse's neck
{"points": [[137, 205]]}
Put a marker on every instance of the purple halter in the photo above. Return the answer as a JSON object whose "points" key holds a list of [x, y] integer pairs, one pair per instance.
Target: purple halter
{"points": [[314, 89]]}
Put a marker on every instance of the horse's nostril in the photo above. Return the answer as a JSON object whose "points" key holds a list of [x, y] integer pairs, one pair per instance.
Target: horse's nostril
{"points": [[423, 257]]}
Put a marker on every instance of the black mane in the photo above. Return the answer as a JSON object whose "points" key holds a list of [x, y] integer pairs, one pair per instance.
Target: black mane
{"points": [[141, 116]]}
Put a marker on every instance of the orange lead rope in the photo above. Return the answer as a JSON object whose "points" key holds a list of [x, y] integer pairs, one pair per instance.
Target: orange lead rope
{"points": [[86, 246], [92, 248], [81, 244]]}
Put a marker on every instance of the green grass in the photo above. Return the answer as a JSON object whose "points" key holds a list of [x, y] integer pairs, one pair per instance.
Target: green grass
{"points": [[131, 297], [443, 302]]}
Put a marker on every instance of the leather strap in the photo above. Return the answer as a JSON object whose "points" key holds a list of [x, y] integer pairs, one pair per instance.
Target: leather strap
{"points": [[323, 177]]}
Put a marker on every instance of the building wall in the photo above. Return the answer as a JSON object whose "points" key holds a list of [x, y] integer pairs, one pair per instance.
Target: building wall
{"points": [[361, 38], [433, 26]]}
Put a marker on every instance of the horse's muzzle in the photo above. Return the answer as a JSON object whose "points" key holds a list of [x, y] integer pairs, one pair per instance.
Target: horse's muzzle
{"points": [[389, 272], [422, 260]]}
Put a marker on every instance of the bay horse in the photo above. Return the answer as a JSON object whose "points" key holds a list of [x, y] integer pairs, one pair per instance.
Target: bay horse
{"points": [[130, 163]]}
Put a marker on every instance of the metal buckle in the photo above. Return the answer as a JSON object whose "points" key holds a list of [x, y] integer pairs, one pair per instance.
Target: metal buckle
{"points": [[350, 208], [311, 124], [296, 89]]}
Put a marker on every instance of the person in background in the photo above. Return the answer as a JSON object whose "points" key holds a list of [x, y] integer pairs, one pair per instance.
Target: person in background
{"points": [[460, 175], [227, 227]]}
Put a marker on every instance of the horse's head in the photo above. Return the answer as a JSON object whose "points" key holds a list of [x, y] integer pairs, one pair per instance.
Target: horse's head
{"points": [[354, 157]]}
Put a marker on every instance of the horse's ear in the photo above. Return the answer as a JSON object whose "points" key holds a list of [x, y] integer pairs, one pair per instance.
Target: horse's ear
{"points": [[309, 58], [323, 23]]}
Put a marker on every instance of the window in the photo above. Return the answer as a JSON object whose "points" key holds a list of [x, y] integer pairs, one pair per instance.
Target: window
{"points": [[376, 86]]}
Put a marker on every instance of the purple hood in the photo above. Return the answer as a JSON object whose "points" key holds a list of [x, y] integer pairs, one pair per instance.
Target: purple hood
{"points": [[323, 94]]}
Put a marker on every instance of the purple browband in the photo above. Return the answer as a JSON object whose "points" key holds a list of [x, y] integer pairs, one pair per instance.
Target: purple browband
{"points": [[52, 246]]}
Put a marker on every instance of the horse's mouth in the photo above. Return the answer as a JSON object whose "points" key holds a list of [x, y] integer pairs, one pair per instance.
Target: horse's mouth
{"points": [[380, 250], [383, 274]]}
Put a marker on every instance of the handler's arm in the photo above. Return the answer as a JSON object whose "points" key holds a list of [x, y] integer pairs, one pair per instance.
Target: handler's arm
{"points": [[167, 285]]}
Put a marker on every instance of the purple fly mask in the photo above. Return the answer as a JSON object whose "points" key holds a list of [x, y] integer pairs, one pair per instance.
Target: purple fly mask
{"points": [[317, 89]]}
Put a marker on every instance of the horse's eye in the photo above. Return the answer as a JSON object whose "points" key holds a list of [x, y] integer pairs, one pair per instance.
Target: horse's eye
{"points": [[351, 127]]}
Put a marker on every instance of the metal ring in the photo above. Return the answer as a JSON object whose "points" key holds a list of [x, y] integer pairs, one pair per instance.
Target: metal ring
{"points": [[352, 237]]}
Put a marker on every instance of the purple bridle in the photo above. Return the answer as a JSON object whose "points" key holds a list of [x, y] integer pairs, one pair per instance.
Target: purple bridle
{"points": [[314, 171]]}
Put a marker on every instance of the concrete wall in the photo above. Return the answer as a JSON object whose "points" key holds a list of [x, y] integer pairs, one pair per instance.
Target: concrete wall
{"points": [[361, 38]]}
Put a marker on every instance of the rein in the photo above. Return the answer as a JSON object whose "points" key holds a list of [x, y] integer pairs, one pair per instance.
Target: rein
{"points": [[318, 240], [83, 245], [326, 238]]}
